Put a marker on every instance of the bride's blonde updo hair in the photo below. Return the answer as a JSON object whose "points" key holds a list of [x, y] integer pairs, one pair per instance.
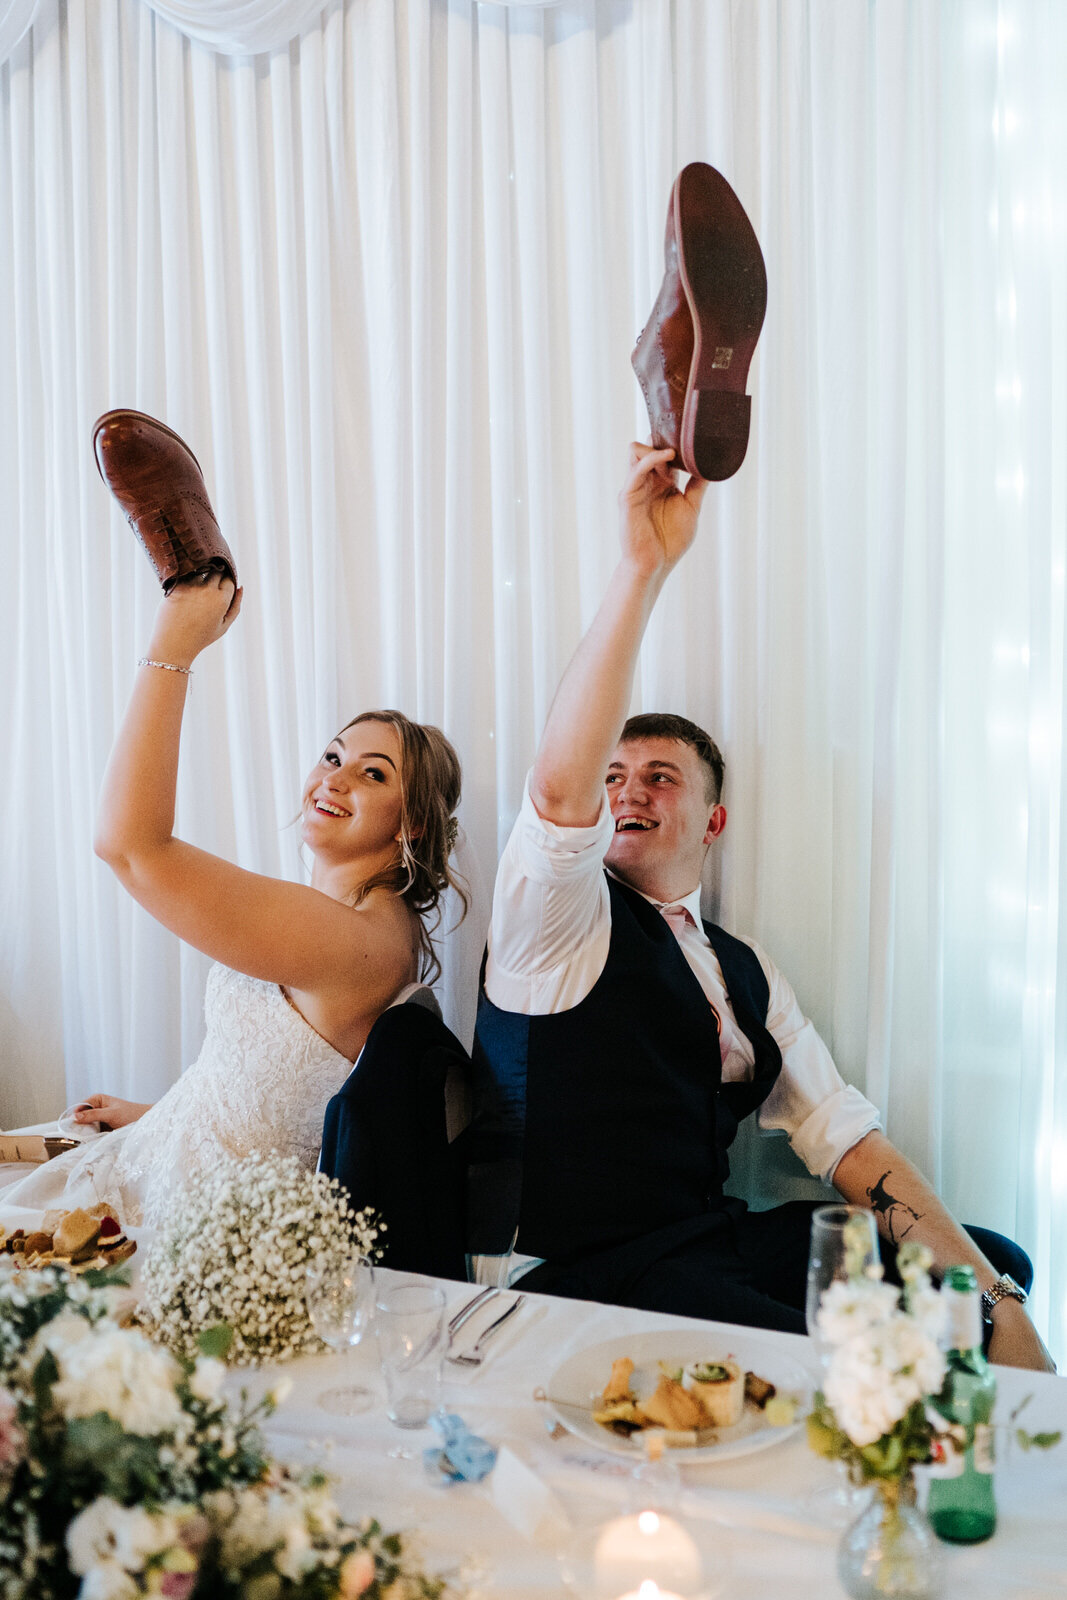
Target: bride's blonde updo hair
{"points": [[430, 779]]}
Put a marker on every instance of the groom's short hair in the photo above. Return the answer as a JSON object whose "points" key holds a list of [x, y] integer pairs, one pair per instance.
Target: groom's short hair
{"points": [[665, 725]]}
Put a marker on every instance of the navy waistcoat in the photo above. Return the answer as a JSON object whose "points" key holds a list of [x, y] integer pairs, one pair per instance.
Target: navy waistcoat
{"points": [[604, 1123]]}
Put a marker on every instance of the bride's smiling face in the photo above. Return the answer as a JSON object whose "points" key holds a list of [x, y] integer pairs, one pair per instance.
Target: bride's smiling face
{"points": [[352, 798]]}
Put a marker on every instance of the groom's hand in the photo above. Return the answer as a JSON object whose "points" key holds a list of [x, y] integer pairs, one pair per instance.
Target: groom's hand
{"points": [[658, 520]]}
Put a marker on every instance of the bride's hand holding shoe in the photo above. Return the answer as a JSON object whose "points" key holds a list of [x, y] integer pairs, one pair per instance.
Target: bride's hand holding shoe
{"points": [[195, 614]]}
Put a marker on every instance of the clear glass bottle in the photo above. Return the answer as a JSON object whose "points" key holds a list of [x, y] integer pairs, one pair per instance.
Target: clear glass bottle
{"points": [[961, 1507]]}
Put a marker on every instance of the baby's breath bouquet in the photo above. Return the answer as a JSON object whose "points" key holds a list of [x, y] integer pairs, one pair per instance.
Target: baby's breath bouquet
{"points": [[124, 1472], [235, 1251]]}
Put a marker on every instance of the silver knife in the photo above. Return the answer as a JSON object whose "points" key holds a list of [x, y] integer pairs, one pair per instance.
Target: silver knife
{"points": [[473, 1356], [470, 1308]]}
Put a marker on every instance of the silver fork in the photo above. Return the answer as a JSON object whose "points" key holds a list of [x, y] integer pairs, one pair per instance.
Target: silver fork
{"points": [[476, 1354]]}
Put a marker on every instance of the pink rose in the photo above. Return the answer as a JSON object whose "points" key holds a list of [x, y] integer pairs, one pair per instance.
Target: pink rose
{"points": [[357, 1574]]}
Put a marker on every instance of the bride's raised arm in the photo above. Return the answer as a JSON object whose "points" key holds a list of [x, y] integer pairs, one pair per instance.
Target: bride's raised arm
{"points": [[303, 938]]}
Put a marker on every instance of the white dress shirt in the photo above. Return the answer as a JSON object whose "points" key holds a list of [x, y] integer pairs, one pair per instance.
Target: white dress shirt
{"points": [[548, 945]]}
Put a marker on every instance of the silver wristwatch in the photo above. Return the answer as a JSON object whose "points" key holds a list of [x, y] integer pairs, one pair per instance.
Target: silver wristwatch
{"points": [[1005, 1288]]}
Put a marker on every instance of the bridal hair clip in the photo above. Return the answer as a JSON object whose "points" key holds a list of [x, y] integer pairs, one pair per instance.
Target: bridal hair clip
{"points": [[165, 666], [452, 832]]}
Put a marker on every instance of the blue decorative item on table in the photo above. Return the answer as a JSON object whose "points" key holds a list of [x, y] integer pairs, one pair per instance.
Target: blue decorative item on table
{"points": [[463, 1457]]}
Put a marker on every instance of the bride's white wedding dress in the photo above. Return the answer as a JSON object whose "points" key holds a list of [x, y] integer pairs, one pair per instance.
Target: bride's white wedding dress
{"points": [[260, 1083]]}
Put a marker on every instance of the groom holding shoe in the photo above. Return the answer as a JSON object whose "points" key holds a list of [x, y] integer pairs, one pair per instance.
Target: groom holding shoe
{"points": [[621, 1039]]}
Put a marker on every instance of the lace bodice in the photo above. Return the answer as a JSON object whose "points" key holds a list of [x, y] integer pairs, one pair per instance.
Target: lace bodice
{"points": [[261, 1082]]}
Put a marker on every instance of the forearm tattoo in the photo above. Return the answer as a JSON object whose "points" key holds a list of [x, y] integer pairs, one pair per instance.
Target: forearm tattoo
{"points": [[898, 1216]]}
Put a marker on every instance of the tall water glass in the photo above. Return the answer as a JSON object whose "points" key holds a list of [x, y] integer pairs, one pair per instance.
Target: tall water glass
{"points": [[410, 1324], [340, 1298]]}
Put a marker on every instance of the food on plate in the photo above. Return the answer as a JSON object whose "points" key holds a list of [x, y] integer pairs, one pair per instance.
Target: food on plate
{"points": [[75, 1232], [618, 1385], [720, 1388], [673, 1406], [781, 1410], [758, 1390], [80, 1240], [688, 1401]]}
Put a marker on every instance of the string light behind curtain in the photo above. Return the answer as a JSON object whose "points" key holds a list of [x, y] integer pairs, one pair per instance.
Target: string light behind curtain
{"points": [[386, 276]]}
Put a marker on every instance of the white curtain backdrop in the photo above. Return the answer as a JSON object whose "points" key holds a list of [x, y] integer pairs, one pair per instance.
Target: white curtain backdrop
{"points": [[386, 278]]}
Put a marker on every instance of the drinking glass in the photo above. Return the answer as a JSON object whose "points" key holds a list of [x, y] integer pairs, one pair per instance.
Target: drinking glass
{"points": [[340, 1297], [844, 1243], [492, 1270], [410, 1324]]}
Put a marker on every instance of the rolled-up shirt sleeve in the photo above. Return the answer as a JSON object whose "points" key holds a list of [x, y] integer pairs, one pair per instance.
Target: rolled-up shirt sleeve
{"points": [[823, 1115], [551, 922]]}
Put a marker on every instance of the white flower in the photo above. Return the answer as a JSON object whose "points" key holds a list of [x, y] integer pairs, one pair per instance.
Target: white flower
{"points": [[107, 1533], [848, 1309], [874, 1377], [122, 1373], [108, 1582], [207, 1377]]}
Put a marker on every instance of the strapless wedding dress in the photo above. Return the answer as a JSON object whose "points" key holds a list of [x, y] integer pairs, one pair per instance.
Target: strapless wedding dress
{"points": [[260, 1083]]}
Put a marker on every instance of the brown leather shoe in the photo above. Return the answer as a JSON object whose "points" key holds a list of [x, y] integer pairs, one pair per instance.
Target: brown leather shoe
{"points": [[693, 354], [157, 481]]}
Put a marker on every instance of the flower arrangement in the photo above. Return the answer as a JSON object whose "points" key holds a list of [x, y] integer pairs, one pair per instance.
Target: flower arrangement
{"points": [[123, 1472], [235, 1251], [885, 1360]]}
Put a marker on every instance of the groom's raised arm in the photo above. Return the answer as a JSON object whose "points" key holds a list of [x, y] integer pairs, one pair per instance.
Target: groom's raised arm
{"points": [[657, 525]]}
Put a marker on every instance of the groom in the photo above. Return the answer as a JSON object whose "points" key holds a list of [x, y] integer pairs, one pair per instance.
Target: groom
{"points": [[620, 1039]]}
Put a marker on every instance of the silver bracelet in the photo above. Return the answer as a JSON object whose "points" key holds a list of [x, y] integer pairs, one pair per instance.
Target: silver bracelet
{"points": [[165, 666]]}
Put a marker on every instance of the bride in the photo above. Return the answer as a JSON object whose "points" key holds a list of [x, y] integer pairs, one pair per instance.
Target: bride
{"points": [[303, 972]]}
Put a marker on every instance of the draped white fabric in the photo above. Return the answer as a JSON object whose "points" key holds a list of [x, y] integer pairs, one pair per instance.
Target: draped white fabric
{"points": [[386, 280], [234, 27]]}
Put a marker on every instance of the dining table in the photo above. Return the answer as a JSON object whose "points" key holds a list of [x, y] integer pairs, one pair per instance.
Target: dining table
{"points": [[765, 1517]]}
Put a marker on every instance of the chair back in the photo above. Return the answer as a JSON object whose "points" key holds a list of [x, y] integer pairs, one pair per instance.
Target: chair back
{"points": [[386, 1138]]}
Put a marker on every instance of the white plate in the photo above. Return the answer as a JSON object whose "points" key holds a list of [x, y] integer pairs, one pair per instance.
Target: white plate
{"points": [[579, 1383]]}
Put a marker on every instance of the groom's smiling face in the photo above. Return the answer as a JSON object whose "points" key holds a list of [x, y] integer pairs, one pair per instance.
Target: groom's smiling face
{"points": [[664, 817]]}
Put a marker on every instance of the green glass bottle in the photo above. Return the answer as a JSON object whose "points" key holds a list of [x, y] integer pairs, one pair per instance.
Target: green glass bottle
{"points": [[961, 1507]]}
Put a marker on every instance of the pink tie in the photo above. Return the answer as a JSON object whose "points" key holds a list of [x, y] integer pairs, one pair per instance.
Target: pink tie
{"points": [[678, 918]]}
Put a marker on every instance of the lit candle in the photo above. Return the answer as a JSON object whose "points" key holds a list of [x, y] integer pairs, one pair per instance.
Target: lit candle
{"points": [[650, 1549], [650, 1590]]}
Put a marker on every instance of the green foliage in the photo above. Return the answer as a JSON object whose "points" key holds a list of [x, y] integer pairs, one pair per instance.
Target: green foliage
{"points": [[215, 1341], [888, 1459], [1037, 1441]]}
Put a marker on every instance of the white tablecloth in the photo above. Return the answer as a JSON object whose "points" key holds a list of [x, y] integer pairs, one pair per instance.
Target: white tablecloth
{"points": [[754, 1521]]}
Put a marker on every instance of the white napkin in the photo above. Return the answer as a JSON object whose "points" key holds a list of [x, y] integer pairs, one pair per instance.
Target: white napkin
{"points": [[82, 1131]]}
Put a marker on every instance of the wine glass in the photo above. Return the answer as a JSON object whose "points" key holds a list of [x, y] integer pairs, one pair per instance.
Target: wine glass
{"points": [[340, 1297], [844, 1245]]}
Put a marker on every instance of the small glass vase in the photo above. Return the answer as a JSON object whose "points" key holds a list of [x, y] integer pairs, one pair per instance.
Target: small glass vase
{"points": [[890, 1551]]}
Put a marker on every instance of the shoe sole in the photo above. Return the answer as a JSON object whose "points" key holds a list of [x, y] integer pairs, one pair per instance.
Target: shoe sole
{"points": [[725, 283]]}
